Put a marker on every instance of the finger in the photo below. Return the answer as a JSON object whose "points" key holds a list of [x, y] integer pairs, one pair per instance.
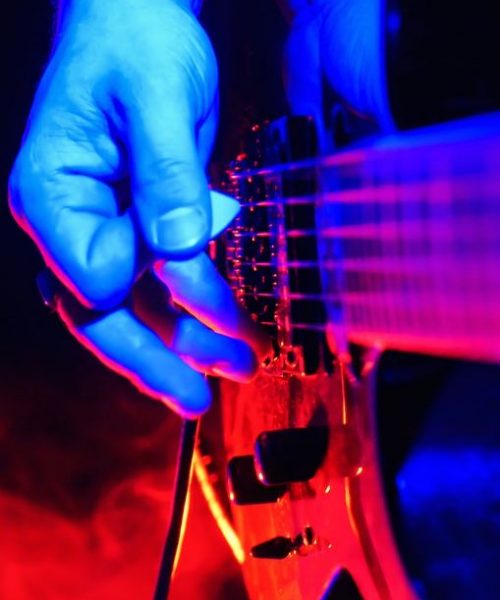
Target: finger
{"points": [[196, 285], [170, 190], [212, 353], [74, 220], [205, 350], [128, 347]]}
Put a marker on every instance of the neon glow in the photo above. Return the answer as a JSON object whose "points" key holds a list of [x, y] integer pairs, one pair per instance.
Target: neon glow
{"points": [[216, 509]]}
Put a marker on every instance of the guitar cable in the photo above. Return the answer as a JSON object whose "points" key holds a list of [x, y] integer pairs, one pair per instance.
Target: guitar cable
{"points": [[185, 455]]}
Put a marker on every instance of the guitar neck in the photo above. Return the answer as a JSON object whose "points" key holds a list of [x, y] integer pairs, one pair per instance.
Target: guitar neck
{"points": [[407, 240], [410, 241]]}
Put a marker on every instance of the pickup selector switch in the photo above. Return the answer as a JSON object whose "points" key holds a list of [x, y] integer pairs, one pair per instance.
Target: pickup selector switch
{"points": [[290, 455], [276, 548]]}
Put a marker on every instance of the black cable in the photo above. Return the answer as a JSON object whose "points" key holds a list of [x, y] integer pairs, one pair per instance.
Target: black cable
{"points": [[182, 479]]}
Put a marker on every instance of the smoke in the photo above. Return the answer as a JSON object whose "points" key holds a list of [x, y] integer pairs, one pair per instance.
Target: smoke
{"points": [[86, 475]]}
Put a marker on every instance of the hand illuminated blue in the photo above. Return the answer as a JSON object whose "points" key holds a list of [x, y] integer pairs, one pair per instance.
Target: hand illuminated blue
{"points": [[110, 179]]}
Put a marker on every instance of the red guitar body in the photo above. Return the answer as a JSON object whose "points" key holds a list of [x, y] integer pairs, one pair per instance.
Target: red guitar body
{"points": [[389, 245], [346, 513]]}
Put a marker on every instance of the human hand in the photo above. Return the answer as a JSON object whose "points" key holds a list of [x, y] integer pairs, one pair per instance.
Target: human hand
{"points": [[341, 42], [110, 181]]}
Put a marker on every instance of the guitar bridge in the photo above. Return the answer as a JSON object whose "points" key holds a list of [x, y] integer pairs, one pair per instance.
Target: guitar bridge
{"points": [[271, 255]]}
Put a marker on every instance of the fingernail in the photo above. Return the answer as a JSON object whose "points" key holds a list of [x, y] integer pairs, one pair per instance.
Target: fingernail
{"points": [[180, 229]]}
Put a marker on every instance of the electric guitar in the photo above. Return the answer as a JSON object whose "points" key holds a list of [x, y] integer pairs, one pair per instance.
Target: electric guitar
{"points": [[375, 271]]}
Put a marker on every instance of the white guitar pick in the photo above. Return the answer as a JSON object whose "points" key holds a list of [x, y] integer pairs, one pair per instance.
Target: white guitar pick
{"points": [[224, 210]]}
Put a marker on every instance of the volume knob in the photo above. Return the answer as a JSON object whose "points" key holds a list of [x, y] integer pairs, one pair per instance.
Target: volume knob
{"points": [[290, 455]]}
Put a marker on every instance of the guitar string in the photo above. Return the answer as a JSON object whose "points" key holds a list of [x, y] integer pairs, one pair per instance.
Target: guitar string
{"points": [[488, 145], [465, 187], [352, 296], [461, 224], [413, 219], [413, 265]]}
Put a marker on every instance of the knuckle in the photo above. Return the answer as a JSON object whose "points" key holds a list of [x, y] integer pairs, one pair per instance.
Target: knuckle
{"points": [[166, 168], [102, 267], [97, 292], [18, 186], [25, 188], [186, 330], [171, 178]]}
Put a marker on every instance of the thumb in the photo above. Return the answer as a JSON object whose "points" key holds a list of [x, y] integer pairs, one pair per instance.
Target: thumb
{"points": [[170, 192]]}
